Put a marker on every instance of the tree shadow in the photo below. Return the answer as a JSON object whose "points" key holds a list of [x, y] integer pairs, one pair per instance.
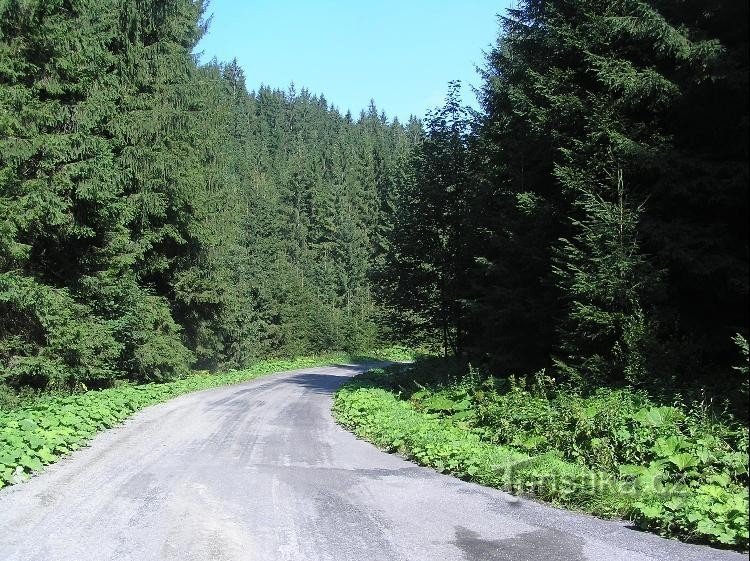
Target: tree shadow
{"points": [[325, 384]]}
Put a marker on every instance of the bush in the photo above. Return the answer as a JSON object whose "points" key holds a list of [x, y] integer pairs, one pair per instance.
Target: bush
{"points": [[678, 470], [715, 512], [377, 415]]}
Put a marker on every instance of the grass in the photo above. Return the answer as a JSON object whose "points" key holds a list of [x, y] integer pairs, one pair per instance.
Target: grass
{"points": [[45, 428], [675, 470]]}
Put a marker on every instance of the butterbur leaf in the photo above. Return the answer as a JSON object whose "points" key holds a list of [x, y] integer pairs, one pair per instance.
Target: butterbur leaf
{"points": [[649, 511], [657, 416], [46, 456], [632, 470], [704, 455], [694, 516], [531, 442], [439, 403], [9, 457], [674, 504], [706, 526], [666, 447], [721, 479], [462, 405], [683, 461], [32, 463], [28, 425], [34, 441]]}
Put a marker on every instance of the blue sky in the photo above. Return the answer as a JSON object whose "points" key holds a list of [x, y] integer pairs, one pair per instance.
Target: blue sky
{"points": [[399, 53]]}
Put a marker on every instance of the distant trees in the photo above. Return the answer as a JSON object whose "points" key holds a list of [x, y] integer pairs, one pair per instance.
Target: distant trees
{"points": [[155, 215], [592, 218], [426, 259]]}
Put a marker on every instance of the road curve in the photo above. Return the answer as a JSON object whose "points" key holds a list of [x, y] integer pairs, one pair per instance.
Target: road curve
{"points": [[260, 471]]}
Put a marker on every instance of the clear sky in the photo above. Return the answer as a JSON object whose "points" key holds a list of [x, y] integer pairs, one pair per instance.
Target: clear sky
{"points": [[399, 53]]}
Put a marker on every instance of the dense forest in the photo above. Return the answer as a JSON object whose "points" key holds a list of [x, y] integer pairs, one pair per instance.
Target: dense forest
{"points": [[590, 219], [155, 215]]}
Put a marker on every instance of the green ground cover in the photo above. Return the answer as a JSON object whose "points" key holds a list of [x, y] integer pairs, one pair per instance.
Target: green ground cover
{"points": [[46, 427], [678, 470]]}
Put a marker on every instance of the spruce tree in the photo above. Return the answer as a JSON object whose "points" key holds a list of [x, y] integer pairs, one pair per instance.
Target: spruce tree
{"points": [[62, 214], [427, 261], [604, 275]]}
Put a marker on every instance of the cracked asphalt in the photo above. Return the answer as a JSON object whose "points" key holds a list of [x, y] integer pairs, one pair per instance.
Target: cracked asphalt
{"points": [[260, 471]]}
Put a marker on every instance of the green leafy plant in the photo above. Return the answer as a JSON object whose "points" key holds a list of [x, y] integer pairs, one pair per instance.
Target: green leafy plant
{"points": [[44, 429], [610, 452]]}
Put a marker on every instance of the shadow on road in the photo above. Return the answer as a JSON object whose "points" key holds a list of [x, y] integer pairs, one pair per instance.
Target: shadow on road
{"points": [[328, 383], [324, 384]]}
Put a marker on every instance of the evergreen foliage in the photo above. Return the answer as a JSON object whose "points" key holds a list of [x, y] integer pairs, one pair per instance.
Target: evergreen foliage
{"points": [[426, 262], [603, 272], [604, 224], [589, 224], [155, 215]]}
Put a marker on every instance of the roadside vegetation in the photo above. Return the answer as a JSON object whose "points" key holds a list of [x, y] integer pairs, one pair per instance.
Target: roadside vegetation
{"points": [[679, 469], [40, 429], [585, 231], [587, 223]]}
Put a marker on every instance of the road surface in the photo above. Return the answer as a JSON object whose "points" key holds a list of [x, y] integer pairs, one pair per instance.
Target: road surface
{"points": [[260, 471]]}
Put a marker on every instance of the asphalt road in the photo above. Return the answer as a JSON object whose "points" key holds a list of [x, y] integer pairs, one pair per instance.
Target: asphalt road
{"points": [[260, 471]]}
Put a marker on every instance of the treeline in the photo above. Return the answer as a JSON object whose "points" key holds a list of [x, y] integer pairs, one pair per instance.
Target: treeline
{"points": [[156, 216], [592, 218]]}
